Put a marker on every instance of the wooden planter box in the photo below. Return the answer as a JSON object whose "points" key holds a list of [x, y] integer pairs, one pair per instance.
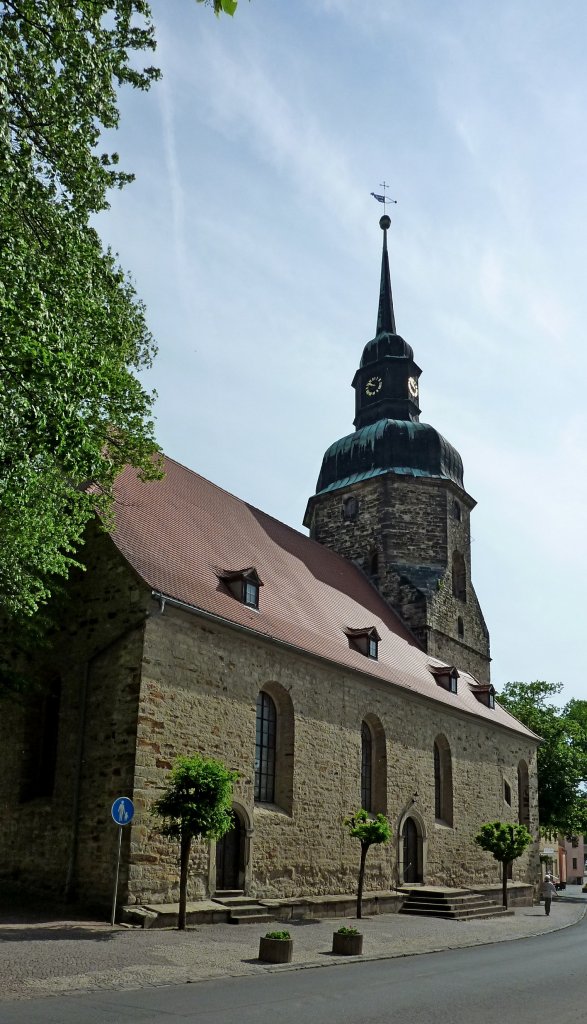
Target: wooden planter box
{"points": [[347, 945], [275, 951]]}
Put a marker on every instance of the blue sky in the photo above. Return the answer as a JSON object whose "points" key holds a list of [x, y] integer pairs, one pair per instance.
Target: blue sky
{"points": [[251, 235]]}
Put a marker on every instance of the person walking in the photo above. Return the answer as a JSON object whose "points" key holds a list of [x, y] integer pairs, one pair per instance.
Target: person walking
{"points": [[548, 891]]}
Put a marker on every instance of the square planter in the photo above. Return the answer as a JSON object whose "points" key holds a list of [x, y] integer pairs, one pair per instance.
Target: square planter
{"points": [[275, 951], [347, 945]]}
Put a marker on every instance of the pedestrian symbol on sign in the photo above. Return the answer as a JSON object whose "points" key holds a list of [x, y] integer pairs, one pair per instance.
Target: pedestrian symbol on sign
{"points": [[122, 810]]}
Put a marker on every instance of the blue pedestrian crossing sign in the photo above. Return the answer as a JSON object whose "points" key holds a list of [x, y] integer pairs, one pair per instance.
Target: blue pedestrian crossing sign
{"points": [[122, 810]]}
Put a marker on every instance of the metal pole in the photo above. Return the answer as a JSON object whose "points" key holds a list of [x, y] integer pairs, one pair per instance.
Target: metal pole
{"points": [[116, 879]]}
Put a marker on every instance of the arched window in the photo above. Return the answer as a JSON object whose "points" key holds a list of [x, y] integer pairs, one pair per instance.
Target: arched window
{"points": [[265, 746], [443, 803], [274, 747], [459, 576], [523, 794], [350, 508], [373, 766], [460, 626], [366, 768], [374, 567], [456, 511]]}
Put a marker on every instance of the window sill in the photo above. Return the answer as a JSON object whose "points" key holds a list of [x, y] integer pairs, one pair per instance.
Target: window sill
{"points": [[269, 810], [441, 824]]}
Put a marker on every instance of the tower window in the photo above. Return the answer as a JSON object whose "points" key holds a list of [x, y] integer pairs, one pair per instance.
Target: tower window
{"points": [[374, 567], [507, 793], [459, 577], [350, 508], [456, 511], [460, 626]]}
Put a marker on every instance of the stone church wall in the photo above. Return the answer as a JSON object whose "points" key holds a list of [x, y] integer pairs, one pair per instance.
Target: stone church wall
{"points": [[98, 652], [199, 687]]}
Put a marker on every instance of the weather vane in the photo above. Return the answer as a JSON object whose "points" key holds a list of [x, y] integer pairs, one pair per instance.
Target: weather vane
{"points": [[383, 198]]}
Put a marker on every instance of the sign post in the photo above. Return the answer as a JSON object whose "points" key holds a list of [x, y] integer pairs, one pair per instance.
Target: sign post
{"points": [[122, 812]]}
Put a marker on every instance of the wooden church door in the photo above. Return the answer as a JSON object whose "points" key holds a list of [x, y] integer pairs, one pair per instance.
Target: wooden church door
{"points": [[411, 852], [230, 868]]}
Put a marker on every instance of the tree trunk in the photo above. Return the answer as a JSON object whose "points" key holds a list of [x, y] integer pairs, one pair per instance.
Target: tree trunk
{"points": [[504, 866], [361, 879], [184, 859]]}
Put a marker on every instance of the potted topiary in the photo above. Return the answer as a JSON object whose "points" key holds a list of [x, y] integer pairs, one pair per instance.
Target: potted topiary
{"points": [[276, 948], [347, 942]]}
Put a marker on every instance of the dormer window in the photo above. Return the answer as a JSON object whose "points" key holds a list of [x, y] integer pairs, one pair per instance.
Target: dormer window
{"points": [[485, 694], [446, 676], [244, 585], [364, 640]]}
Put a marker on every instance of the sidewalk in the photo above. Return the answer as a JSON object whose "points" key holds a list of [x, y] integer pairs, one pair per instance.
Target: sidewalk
{"points": [[42, 956]]}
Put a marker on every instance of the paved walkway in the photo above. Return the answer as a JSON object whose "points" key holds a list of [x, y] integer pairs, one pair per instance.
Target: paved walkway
{"points": [[41, 956]]}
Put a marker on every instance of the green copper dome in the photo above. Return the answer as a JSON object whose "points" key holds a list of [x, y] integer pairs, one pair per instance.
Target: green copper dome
{"points": [[389, 446]]}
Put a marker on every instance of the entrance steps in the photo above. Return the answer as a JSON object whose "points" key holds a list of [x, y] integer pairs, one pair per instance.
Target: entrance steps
{"points": [[241, 909], [454, 904]]}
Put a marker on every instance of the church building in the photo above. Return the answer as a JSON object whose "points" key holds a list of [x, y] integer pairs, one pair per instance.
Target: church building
{"points": [[346, 669]]}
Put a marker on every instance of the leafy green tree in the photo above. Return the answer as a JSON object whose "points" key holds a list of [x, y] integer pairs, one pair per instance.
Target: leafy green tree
{"points": [[370, 832], [195, 805], [505, 842], [562, 756], [74, 337]]}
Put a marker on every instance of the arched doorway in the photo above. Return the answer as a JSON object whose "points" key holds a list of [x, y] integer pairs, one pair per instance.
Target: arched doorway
{"points": [[412, 860], [230, 856]]}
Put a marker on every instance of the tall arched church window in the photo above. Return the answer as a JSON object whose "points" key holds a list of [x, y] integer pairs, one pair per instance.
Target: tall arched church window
{"points": [[373, 765], [459, 576], [523, 794], [374, 566], [443, 794], [275, 747], [265, 748], [366, 768]]}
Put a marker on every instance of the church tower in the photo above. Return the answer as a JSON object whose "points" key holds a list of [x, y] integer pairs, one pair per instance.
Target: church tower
{"points": [[390, 497]]}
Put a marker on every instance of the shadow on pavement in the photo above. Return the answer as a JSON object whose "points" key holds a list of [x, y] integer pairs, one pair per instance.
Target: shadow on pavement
{"points": [[22, 933]]}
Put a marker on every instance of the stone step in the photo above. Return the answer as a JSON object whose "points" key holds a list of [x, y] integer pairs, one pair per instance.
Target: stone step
{"points": [[473, 915], [234, 901], [224, 894], [449, 908]]}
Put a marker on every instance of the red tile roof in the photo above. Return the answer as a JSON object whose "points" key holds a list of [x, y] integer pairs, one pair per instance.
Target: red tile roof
{"points": [[182, 533]]}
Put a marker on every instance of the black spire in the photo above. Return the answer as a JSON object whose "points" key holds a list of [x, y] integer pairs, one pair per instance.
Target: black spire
{"points": [[385, 317]]}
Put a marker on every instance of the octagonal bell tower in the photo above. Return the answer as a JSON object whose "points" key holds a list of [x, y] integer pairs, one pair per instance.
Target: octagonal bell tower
{"points": [[390, 497]]}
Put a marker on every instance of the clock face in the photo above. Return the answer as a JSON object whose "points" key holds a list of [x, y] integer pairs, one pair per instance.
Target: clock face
{"points": [[373, 385], [413, 387]]}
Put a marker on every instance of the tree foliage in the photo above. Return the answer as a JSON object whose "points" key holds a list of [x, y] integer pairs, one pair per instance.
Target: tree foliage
{"points": [[195, 805], [74, 337], [562, 756], [370, 832], [505, 842]]}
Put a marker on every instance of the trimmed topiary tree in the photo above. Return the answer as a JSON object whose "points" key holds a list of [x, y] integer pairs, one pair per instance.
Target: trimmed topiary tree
{"points": [[196, 805], [370, 832], [505, 842]]}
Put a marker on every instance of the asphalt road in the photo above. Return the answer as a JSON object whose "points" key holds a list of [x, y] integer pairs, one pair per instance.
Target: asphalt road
{"points": [[529, 981]]}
